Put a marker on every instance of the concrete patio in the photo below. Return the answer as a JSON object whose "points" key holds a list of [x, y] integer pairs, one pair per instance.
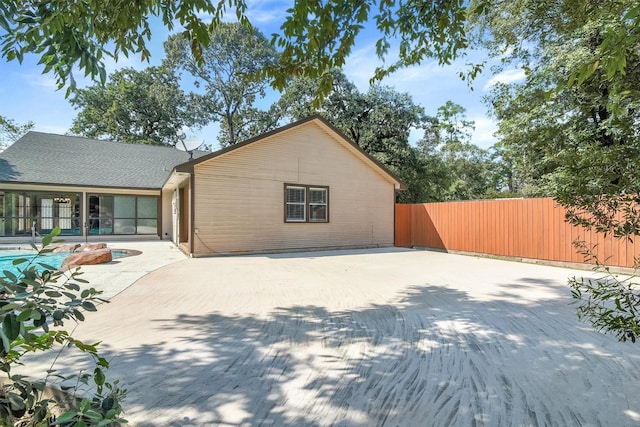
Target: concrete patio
{"points": [[359, 338]]}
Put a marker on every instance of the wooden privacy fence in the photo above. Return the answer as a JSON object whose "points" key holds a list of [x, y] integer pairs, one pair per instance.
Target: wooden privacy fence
{"points": [[521, 228]]}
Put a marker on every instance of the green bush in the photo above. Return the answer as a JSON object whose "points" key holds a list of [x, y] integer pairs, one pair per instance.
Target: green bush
{"points": [[611, 302], [35, 303]]}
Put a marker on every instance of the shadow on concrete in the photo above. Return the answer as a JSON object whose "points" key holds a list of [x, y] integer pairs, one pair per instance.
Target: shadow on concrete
{"points": [[435, 357]]}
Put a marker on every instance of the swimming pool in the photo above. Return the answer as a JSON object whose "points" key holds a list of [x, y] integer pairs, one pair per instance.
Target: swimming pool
{"points": [[6, 260], [7, 257]]}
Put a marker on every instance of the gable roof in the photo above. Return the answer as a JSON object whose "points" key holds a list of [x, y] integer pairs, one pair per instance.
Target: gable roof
{"points": [[44, 158], [374, 163]]}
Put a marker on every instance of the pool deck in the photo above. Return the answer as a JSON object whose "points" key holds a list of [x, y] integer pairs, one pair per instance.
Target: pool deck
{"points": [[115, 276], [355, 338]]}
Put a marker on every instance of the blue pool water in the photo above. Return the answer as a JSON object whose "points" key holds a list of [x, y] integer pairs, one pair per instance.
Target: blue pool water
{"points": [[53, 259], [6, 260]]}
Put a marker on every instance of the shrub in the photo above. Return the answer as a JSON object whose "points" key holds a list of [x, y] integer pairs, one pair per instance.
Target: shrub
{"points": [[611, 302], [35, 303]]}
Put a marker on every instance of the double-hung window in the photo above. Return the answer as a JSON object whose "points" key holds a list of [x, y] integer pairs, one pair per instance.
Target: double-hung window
{"points": [[318, 204], [306, 203], [296, 204]]}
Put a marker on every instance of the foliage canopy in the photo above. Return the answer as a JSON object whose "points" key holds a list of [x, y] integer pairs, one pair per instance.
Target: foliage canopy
{"points": [[10, 131], [224, 89], [314, 36], [144, 107]]}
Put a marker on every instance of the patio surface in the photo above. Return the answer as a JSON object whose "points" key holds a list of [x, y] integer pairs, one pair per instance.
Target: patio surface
{"points": [[392, 337]]}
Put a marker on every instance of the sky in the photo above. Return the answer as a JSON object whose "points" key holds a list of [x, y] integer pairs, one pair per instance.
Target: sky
{"points": [[27, 95]]}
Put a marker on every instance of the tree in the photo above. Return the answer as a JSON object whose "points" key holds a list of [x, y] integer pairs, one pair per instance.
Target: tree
{"points": [[145, 107], [576, 135], [581, 142], [10, 131], [315, 36], [223, 72], [469, 168], [505, 177], [81, 34]]}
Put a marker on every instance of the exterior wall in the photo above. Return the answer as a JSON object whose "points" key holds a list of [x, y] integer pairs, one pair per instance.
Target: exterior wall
{"points": [[166, 228], [175, 211], [239, 196]]}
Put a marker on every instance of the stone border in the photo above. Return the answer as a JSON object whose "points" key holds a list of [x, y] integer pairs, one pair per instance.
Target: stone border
{"points": [[127, 252]]}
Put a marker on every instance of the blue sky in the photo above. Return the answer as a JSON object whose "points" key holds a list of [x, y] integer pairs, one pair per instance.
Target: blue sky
{"points": [[27, 95]]}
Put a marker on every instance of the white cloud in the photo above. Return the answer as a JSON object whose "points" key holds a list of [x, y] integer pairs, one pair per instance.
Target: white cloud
{"points": [[265, 16], [362, 63], [483, 134], [264, 12], [507, 76], [44, 81], [134, 60]]}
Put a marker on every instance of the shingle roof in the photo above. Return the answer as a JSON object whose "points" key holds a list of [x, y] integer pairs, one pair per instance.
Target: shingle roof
{"points": [[45, 158]]}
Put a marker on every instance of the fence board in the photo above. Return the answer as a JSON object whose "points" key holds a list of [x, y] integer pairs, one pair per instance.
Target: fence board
{"points": [[521, 228]]}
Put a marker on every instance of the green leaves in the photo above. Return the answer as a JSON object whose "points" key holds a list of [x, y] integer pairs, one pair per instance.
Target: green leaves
{"points": [[314, 38], [317, 37], [610, 303], [230, 69], [46, 240], [80, 34], [135, 106], [31, 301]]}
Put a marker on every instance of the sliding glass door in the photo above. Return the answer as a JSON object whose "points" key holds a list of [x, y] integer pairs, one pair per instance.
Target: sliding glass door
{"points": [[22, 210], [116, 214]]}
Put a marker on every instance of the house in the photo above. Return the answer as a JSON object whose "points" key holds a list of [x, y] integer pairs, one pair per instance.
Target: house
{"points": [[302, 186]]}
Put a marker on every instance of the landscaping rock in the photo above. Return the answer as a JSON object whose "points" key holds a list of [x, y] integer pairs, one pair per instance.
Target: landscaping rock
{"points": [[99, 256], [92, 247], [70, 247]]}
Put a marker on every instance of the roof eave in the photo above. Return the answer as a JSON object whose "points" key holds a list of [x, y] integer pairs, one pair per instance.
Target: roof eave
{"points": [[175, 179], [79, 185]]}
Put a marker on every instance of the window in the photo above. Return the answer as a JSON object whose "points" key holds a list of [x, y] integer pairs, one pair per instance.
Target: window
{"points": [[317, 204], [305, 203], [119, 214], [296, 204]]}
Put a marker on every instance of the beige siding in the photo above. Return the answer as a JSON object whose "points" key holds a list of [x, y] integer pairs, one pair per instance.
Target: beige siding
{"points": [[167, 215], [239, 197]]}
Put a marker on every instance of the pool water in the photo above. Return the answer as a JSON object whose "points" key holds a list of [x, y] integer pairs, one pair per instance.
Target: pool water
{"points": [[6, 261], [51, 259]]}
